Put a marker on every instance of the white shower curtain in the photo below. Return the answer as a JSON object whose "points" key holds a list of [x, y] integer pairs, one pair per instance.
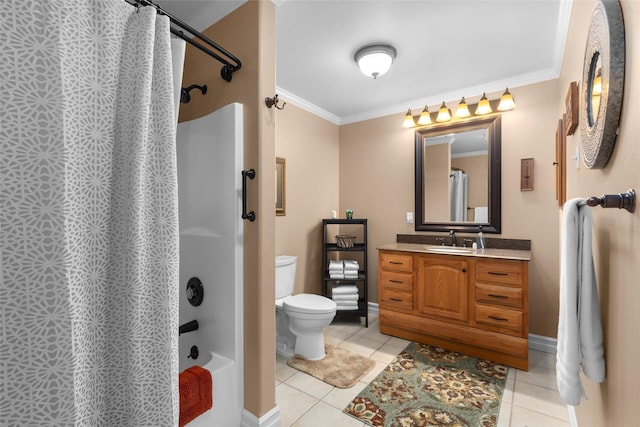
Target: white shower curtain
{"points": [[458, 196], [88, 216]]}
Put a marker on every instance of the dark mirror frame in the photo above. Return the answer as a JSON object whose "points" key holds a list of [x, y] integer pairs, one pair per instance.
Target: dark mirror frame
{"points": [[493, 125]]}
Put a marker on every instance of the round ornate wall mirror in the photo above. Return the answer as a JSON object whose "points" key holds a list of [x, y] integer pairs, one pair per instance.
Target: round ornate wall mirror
{"points": [[602, 83]]}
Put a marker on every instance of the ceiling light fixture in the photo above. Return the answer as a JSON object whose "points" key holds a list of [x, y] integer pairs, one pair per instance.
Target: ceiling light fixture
{"points": [[506, 101], [463, 109], [484, 107], [408, 121], [375, 59], [425, 117], [444, 114]]}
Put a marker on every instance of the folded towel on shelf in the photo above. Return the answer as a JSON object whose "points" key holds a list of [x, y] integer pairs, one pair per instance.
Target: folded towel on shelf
{"points": [[351, 265], [346, 297], [345, 289], [336, 275], [195, 386], [336, 264], [351, 274], [344, 305]]}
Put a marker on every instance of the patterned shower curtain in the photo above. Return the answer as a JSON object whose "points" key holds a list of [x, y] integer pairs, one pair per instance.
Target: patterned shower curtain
{"points": [[88, 216]]}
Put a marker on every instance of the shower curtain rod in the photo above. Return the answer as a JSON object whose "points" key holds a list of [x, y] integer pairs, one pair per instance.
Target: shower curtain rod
{"points": [[178, 29]]}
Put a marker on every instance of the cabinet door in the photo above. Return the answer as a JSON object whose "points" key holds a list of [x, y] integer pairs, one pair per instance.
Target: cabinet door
{"points": [[442, 287]]}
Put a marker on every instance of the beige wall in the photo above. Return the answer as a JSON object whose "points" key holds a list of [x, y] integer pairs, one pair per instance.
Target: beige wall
{"points": [[248, 33], [616, 233], [310, 146]]}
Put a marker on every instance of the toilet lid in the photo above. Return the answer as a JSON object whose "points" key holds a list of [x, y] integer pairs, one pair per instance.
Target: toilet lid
{"points": [[309, 303]]}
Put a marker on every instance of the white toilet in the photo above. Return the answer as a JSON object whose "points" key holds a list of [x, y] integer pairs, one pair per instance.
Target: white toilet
{"points": [[300, 318]]}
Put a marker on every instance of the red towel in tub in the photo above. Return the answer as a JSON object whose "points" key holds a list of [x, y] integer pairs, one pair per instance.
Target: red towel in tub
{"points": [[196, 393]]}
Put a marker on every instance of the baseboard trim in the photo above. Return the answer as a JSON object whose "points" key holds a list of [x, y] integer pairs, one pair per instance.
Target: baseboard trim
{"points": [[270, 419], [542, 343], [373, 307]]}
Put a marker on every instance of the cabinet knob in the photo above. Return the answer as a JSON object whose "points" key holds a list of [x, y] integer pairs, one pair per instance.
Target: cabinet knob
{"points": [[464, 270]]}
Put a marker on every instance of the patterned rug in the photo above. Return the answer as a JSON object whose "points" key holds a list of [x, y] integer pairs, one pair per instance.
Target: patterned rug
{"points": [[430, 386]]}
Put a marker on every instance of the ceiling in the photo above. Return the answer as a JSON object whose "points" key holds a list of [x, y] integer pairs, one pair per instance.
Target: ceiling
{"points": [[447, 49]]}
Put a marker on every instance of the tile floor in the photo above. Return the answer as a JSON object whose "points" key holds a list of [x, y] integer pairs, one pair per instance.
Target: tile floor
{"points": [[530, 399]]}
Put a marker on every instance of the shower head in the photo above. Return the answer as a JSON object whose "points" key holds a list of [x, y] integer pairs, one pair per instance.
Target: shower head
{"points": [[185, 97]]}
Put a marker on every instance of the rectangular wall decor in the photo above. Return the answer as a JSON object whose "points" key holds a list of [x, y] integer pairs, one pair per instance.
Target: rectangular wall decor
{"points": [[526, 174], [571, 102]]}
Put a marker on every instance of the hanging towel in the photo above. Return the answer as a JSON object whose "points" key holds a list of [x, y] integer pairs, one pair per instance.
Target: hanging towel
{"points": [[579, 327], [345, 297], [481, 214], [196, 393], [346, 289]]}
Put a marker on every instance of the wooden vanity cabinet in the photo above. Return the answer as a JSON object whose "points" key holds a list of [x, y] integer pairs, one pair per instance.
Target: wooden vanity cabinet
{"points": [[474, 305]]}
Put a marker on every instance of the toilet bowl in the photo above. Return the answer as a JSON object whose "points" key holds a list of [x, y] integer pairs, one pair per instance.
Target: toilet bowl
{"points": [[300, 319]]}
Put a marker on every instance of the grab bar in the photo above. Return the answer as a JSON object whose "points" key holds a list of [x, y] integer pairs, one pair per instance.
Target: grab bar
{"points": [[251, 173]]}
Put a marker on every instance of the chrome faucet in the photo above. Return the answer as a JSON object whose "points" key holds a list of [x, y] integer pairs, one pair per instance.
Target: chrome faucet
{"points": [[452, 236]]}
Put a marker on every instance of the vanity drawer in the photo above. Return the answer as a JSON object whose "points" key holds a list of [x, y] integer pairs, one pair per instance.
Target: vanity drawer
{"points": [[499, 271], [396, 262], [499, 295], [390, 299], [499, 317], [395, 280]]}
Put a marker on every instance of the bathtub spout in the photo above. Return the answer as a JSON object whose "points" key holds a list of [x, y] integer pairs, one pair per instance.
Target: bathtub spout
{"points": [[188, 327]]}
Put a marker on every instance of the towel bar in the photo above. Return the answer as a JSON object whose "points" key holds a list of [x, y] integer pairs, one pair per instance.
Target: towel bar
{"points": [[621, 201]]}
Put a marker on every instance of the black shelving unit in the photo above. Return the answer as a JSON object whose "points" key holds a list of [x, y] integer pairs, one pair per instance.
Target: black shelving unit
{"points": [[331, 228]]}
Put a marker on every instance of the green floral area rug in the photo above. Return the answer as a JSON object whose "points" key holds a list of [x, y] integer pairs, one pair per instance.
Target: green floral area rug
{"points": [[430, 386]]}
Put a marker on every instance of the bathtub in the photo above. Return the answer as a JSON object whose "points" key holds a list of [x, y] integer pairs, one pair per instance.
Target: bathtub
{"points": [[223, 378]]}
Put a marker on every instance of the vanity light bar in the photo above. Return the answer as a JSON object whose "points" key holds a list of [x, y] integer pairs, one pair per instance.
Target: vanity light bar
{"points": [[462, 111]]}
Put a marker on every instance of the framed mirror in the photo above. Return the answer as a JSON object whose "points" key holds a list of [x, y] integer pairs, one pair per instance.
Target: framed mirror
{"points": [[457, 176], [602, 84]]}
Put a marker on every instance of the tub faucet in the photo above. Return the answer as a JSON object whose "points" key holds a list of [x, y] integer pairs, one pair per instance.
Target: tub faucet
{"points": [[452, 236]]}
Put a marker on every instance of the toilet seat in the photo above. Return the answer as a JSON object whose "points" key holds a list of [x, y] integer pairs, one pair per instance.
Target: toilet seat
{"points": [[309, 304]]}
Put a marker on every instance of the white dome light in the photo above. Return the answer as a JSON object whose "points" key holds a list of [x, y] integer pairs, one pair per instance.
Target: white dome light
{"points": [[376, 59]]}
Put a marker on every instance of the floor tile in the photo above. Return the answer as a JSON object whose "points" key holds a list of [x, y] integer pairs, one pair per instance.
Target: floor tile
{"points": [[374, 372], [309, 384], [292, 403], [539, 399], [323, 415], [523, 417], [363, 346], [340, 397], [283, 371], [504, 416], [539, 375]]}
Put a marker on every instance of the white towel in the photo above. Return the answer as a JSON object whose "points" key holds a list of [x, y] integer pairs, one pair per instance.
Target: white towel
{"points": [[579, 327], [343, 305], [350, 274], [481, 214], [345, 297], [345, 289], [351, 265], [336, 275]]}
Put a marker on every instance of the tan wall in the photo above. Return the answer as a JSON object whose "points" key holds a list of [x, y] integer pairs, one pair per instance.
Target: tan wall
{"points": [[380, 185], [248, 33], [310, 146], [616, 233]]}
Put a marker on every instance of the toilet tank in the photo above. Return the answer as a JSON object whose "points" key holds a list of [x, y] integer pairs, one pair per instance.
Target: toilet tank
{"points": [[285, 275]]}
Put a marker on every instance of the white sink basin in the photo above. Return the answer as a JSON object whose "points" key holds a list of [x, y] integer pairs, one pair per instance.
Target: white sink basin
{"points": [[449, 249]]}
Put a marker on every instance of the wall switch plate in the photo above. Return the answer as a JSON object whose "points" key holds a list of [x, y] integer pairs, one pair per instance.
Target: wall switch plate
{"points": [[409, 217]]}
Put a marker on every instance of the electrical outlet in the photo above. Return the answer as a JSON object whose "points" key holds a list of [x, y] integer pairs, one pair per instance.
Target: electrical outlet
{"points": [[409, 217]]}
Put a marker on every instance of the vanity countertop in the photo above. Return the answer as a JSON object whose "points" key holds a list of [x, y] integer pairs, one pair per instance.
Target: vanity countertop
{"points": [[520, 255]]}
